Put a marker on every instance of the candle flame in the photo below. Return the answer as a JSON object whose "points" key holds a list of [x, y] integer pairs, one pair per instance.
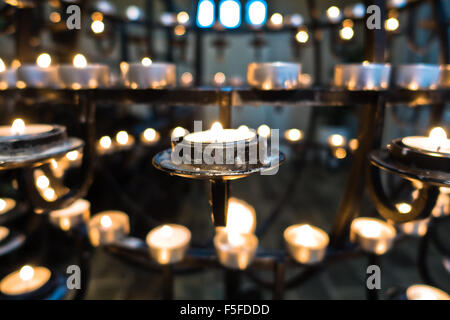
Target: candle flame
{"points": [[44, 60], [166, 231], [216, 127], [241, 216], [305, 236], [403, 207], [42, 182], [293, 135], [178, 132], [105, 142], [235, 239], [438, 137], [146, 61], [150, 134], [336, 140], [122, 137], [371, 229], [264, 130], [18, 127], [79, 61], [2, 204], [26, 273], [106, 221], [2, 65]]}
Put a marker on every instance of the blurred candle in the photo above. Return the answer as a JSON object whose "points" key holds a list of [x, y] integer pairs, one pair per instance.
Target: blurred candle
{"points": [[26, 280], [425, 292], [108, 227], [75, 214], [4, 233], [436, 142], [168, 243], [306, 244], [150, 136], [6, 205], [373, 235]]}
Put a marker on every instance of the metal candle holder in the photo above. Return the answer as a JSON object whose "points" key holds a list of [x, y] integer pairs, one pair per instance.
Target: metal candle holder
{"points": [[90, 76], [154, 76], [274, 75], [365, 76], [33, 76], [416, 76]]}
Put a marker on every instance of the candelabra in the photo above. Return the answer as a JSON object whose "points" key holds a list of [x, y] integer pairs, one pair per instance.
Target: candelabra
{"points": [[32, 152]]}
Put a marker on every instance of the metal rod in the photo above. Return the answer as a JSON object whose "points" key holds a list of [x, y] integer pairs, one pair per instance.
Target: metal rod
{"points": [[218, 201], [232, 284], [369, 136], [168, 279]]}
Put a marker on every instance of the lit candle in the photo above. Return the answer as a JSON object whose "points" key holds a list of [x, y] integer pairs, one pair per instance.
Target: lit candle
{"points": [[436, 142], [373, 235], [82, 75], [108, 227], [25, 281], [124, 141], [148, 74], [41, 75], [4, 233], [241, 217], [7, 76], [150, 137], [6, 205], [293, 135], [105, 145], [219, 135], [236, 244], [425, 292], [168, 243], [18, 129], [306, 244], [75, 214]]}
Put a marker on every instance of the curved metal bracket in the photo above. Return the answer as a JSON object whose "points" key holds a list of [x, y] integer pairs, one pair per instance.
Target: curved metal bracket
{"points": [[421, 207], [87, 166]]}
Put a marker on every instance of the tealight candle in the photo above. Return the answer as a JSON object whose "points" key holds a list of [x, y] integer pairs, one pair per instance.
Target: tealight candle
{"points": [[436, 142], [75, 214], [82, 75], [235, 250], [108, 227], [105, 145], [6, 205], [148, 74], [168, 243], [18, 129], [25, 281], [293, 135], [40, 75], [425, 292], [124, 141], [274, 75], [219, 135], [306, 244], [416, 76], [150, 137], [7, 76], [373, 235], [4, 233]]}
